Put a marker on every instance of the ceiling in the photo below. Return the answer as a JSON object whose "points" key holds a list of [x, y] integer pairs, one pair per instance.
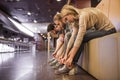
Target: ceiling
{"points": [[29, 11], [35, 14]]}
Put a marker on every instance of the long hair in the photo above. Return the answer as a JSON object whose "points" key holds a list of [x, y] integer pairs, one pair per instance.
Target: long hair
{"points": [[57, 17], [69, 9]]}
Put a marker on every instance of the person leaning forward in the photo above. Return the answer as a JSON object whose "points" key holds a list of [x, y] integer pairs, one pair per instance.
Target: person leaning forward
{"points": [[86, 19]]}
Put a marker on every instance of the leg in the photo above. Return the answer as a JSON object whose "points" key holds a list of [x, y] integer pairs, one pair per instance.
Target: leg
{"points": [[66, 39], [87, 37]]}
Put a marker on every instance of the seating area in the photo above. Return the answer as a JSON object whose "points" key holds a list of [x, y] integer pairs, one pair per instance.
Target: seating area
{"points": [[101, 57]]}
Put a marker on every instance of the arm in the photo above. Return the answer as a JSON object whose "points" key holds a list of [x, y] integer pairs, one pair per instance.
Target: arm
{"points": [[80, 35], [82, 29], [71, 41], [60, 41], [54, 35]]}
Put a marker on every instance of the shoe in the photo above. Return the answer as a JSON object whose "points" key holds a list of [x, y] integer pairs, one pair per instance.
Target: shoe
{"points": [[57, 65], [62, 70], [53, 62], [73, 71]]}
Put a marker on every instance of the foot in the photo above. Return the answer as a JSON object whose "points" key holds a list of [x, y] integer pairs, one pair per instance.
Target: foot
{"points": [[62, 70], [58, 65], [74, 70], [53, 62]]}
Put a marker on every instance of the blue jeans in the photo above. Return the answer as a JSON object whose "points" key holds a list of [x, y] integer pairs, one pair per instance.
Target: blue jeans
{"points": [[91, 35]]}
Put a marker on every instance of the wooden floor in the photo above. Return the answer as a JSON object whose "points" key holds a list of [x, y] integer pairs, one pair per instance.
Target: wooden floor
{"points": [[28, 66]]}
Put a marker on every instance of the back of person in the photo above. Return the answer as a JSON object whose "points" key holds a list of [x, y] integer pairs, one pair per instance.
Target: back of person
{"points": [[96, 18]]}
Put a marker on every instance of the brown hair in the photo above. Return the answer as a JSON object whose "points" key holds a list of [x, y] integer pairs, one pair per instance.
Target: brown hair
{"points": [[50, 27]]}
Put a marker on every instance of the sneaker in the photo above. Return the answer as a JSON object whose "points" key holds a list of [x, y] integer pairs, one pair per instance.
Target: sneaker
{"points": [[58, 65], [53, 62], [74, 70], [62, 70]]}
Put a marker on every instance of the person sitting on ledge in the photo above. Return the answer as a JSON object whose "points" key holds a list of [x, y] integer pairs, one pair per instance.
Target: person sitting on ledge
{"points": [[83, 19]]}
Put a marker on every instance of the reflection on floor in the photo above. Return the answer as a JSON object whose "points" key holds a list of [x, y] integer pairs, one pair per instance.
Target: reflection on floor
{"points": [[28, 66]]}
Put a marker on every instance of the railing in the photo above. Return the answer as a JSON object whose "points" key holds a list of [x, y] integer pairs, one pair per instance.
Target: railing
{"points": [[13, 46]]}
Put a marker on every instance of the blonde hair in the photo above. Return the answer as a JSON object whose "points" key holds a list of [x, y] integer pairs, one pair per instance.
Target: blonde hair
{"points": [[69, 9], [57, 17]]}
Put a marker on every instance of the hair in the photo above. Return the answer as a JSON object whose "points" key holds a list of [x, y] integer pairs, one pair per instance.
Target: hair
{"points": [[57, 17], [68, 9], [50, 27]]}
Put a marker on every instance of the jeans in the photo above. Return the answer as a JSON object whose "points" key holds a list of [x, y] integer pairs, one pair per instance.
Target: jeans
{"points": [[66, 40], [88, 36]]}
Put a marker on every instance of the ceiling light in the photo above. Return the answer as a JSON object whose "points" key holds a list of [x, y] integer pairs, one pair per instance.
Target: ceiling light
{"points": [[29, 13], [17, 0], [9, 0], [58, 12], [58, 0], [35, 21], [15, 17], [19, 9], [22, 28], [12, 0]]}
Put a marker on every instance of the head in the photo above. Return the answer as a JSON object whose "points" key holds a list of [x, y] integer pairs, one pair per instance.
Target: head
{"points": [[51, 28], [69, 14], [54, 28], [58, 23]]}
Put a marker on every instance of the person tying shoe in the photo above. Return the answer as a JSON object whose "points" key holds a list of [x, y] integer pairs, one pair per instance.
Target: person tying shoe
{"points": [[83, 19]]}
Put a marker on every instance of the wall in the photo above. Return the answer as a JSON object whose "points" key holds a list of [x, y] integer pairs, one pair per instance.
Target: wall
{"points": [[114, 13], [83, 3], [111, 9]]}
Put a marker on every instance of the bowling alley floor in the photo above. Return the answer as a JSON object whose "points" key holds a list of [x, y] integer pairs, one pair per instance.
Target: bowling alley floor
{"points": [[33, 66]]}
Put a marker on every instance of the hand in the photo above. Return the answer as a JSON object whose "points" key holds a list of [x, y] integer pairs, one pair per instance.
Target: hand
{"points": [[54, 54], [64, 59], [57, 56], [69, 62], [60, 57]]}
